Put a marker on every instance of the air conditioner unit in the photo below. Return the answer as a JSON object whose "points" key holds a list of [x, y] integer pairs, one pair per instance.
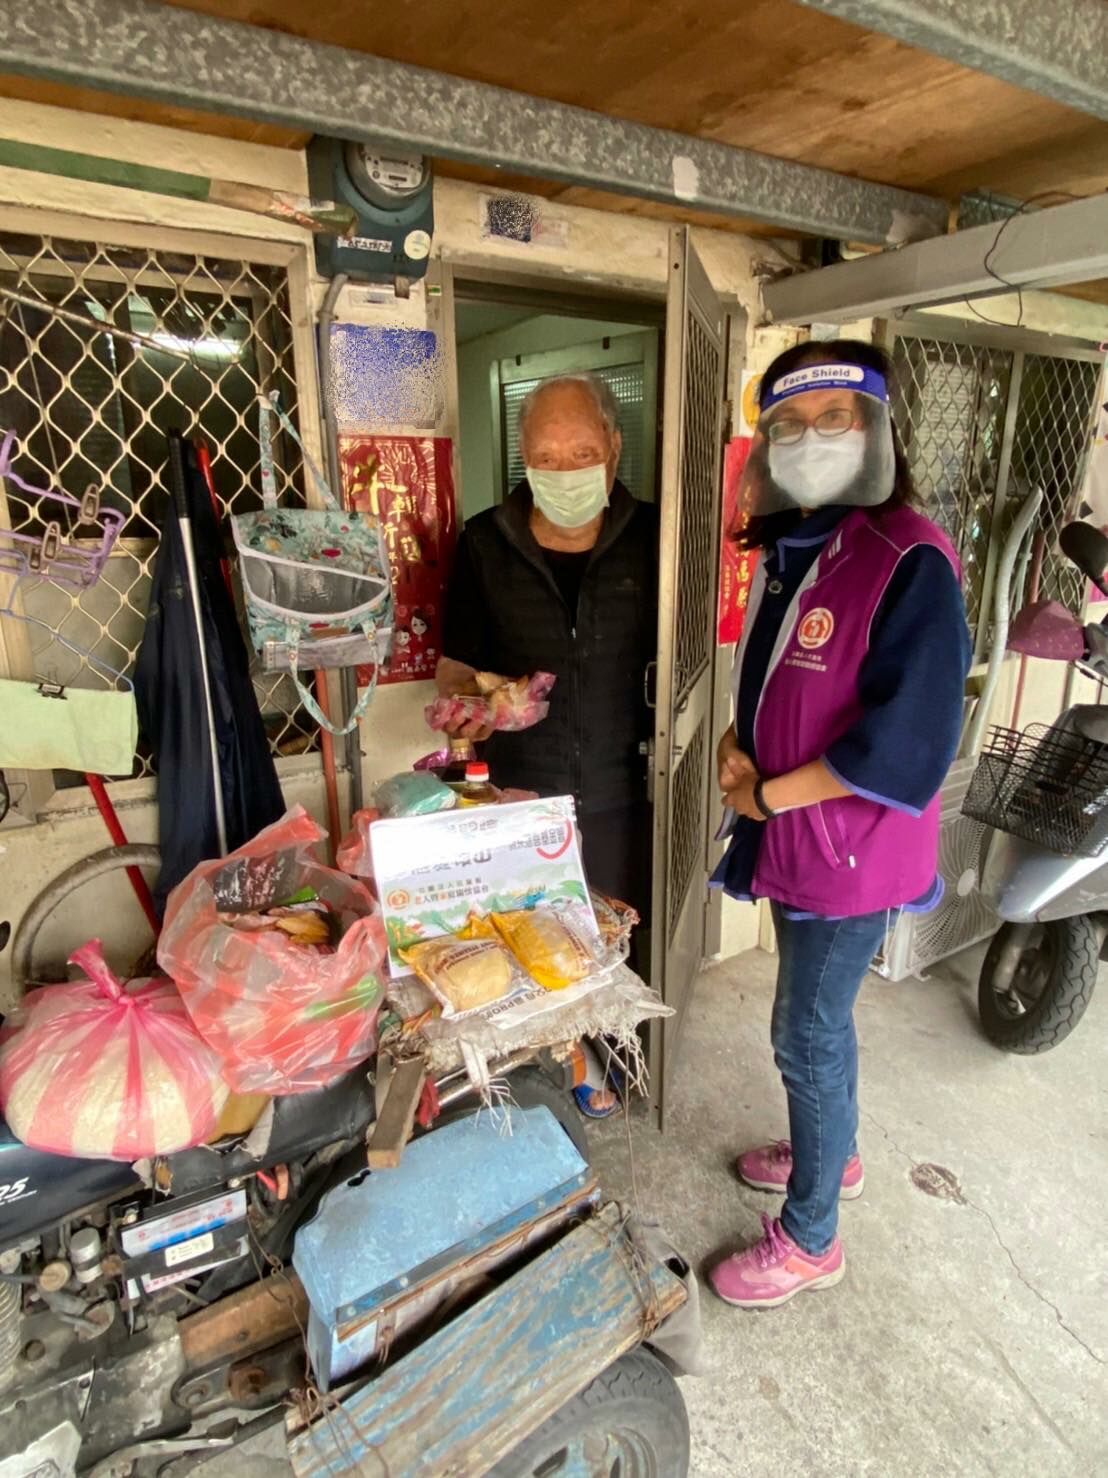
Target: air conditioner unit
{"points": [[918, 940]]}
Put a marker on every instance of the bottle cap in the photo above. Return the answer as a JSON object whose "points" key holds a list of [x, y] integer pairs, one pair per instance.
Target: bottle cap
{"points": [[477, 770]]}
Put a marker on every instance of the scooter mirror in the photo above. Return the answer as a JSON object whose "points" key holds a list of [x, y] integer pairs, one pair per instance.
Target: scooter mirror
{"points": [[1087, 548]]}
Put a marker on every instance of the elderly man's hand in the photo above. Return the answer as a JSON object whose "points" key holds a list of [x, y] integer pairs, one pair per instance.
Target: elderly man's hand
{"points": [[459, 729], [456, 677]]}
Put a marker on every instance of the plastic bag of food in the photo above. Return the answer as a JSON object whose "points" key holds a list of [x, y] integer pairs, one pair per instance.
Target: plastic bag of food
{"points": [[553, 951], [462, 973], [501, 703], [414, 793], [285, 1011], [105, 1070], [616, 921]]}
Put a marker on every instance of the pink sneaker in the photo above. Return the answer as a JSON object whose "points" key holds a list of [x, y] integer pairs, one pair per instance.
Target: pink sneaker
{"points": [[774, 1269], [768, 1169]]}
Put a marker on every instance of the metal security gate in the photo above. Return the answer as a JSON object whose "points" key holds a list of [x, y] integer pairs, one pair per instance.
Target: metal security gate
{"points": [[684, 741], [103, 347], [986, 416]]}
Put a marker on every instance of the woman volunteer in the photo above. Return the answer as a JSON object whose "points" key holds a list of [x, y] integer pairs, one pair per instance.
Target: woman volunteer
{"points": [[848, 692]]}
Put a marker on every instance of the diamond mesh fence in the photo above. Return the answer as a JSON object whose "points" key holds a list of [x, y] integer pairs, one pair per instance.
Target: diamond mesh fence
{"points": [[951, 403], [699, 472], [103, 349], [1053, 428], [949, 408]]}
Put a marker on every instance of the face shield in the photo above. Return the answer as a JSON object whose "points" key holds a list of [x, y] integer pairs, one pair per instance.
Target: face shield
{"points": [[824, 436]]}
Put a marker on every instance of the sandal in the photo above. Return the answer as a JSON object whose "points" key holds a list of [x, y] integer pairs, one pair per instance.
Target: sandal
{"points": [[582, 1095]]}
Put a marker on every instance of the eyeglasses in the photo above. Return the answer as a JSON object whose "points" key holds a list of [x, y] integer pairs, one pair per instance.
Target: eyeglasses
{"points": [[830, 423]]}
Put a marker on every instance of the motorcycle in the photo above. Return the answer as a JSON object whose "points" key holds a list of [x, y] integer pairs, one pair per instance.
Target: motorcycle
{"points": [[137, 1304], [1045, 794]]}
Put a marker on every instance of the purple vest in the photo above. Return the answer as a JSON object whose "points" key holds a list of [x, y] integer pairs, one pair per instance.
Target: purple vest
{"points": [[853, 855]]}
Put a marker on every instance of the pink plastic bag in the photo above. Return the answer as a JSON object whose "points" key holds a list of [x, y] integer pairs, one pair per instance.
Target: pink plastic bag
{"points": [[502, 705], [353, 855], [108, 1071], [283, 1018]]}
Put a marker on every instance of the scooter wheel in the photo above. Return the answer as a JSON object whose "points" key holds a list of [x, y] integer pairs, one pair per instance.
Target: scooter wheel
{"points": [[1049, 991], [630, 1420]]}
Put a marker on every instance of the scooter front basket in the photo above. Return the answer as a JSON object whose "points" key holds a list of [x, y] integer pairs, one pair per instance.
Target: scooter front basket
{"points": [[1048, 785]]}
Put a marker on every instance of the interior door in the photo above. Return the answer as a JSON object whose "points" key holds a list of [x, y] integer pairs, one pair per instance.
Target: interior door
{"points": [[684, 741]]}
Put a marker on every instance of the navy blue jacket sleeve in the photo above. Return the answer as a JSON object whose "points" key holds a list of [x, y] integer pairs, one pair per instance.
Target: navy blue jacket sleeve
{"points": [[912, 686]]}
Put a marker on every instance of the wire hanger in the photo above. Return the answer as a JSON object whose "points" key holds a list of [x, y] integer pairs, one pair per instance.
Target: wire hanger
{"points": [[49, 555], [96, 663]]}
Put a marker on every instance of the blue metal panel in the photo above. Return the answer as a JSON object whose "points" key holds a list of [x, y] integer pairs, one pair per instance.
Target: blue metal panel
{"points": [[456, 1192]]}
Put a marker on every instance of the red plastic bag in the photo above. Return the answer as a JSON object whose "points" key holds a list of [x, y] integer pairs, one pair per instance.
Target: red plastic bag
{"points": [[107, 1071], [283, 1018], [353, 855]]}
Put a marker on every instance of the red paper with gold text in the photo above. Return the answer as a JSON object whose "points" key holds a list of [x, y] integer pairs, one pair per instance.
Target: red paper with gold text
{"points": [[736, 566], [408, 483]]}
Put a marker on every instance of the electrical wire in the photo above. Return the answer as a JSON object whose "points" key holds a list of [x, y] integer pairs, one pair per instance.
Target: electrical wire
{"points": [[1057, 196]]}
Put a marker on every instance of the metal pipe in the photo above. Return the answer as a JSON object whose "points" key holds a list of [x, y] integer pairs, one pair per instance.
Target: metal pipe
{"points": [[1003, 602], [1038, 549], [327, 755], [94, 325], [187, 59], [1052, 247], [349, 680]]}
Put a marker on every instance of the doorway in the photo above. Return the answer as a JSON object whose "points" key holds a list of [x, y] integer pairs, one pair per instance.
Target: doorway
{"points": [[666, 362], [505, 349]]}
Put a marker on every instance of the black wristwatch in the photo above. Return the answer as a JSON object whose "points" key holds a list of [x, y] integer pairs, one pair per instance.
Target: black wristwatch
{"points": [[768, 813]]}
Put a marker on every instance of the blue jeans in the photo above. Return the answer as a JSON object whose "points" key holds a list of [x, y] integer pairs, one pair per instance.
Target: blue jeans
{"points": [[822, 963]]}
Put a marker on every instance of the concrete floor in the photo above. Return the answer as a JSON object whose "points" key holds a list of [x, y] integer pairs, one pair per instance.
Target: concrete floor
{"points": [[970, 1334], [971, 1331]]}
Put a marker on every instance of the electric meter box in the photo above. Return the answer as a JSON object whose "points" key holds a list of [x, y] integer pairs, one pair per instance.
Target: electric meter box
{"points": [[390, 193]]}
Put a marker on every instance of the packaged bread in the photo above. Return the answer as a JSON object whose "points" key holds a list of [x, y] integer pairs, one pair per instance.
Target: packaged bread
{"points": [[477, 926], [550, 947], [461, 973]]}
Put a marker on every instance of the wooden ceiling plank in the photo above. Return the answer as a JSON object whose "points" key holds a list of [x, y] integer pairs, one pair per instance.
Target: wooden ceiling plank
{"points": [[1057, 50]]}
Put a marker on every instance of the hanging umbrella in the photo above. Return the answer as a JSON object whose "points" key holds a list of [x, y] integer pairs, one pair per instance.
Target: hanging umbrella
{"points": [[217, 784]]}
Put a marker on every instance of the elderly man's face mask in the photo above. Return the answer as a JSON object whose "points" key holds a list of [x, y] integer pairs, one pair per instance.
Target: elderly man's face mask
{"points": [[571, 460]]}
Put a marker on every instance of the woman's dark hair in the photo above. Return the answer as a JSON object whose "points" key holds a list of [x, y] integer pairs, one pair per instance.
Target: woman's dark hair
{"points": [[759, 531]]}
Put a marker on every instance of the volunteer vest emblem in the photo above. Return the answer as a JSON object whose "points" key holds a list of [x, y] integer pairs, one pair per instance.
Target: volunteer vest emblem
{"points": [[816, 628]]}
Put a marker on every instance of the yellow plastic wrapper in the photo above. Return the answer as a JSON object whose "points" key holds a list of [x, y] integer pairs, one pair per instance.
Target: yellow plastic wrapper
{"points": [[477, 926], [461, 973], [552, 951]]}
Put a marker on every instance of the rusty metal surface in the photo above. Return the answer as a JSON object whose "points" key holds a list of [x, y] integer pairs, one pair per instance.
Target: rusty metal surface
{"points": [[179, 57], [472, 1392], [253, 1319]]}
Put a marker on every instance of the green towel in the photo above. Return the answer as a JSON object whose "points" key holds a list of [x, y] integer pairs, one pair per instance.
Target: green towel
{"points": [[84, 730]]}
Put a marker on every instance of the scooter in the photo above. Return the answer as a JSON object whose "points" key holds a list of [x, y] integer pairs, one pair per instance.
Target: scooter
{"points": [[1045, 793]]}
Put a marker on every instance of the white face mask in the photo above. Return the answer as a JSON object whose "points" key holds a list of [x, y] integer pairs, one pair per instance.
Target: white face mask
{"points": [[570, 499], [817, 470]]}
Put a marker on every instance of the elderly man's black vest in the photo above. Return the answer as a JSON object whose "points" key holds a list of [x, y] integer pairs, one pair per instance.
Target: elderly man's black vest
{"points": [[588, 746]]}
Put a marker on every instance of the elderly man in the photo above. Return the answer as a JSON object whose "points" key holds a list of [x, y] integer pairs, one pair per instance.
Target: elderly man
{"points": [[562, 578]]}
